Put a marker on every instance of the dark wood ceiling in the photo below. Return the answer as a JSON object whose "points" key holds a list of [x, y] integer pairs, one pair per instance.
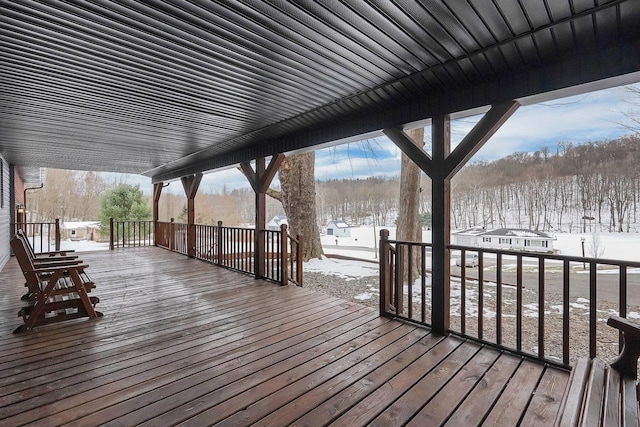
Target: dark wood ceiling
{"points": [[168, 88]]}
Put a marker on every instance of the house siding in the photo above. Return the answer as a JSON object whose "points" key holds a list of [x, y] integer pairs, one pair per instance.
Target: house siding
{"points": [[5, 213]]}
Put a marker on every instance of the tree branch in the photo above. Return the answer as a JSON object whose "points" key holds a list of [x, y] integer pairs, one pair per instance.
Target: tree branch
{"points": [[274, 194]]}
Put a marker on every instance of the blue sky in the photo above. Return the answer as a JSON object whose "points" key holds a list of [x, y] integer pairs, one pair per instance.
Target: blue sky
{"points": [[577, 119]]}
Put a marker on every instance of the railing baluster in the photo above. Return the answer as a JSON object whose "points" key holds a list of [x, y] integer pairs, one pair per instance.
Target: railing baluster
{"points": [[499, 299], [519, 303], [566, 269], [623, 301], [423, 274], [541, 307], [463, 292], [410, 281], [480, 293], [592, 308]]}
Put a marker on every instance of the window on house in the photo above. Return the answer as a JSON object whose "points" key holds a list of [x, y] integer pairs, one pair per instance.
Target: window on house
{"points": [[504, 241], [527, 242], [544, 243], [486, 239]]}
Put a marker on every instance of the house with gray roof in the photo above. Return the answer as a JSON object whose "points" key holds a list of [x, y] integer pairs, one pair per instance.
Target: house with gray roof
{"points": [[514, 239]]}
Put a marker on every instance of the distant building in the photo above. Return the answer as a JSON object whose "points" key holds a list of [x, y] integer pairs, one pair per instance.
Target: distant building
{"points": [[514, 239], [276, 222], [338, 229], [80, 230]]}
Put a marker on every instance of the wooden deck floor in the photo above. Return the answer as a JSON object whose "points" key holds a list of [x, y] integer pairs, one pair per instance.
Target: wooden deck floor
{"points": [[183, 341]]}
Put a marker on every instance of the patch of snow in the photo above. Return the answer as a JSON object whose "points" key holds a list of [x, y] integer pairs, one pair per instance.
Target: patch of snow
{"points": [[345, 269], [579, 306]]}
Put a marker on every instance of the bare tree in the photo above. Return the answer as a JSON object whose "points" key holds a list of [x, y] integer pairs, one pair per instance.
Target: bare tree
{"points": [[298, 197], [408, 208]]}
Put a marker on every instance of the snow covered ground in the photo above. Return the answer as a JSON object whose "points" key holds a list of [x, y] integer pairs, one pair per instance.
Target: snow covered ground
{"points": [[620, 246], [364, 241]]}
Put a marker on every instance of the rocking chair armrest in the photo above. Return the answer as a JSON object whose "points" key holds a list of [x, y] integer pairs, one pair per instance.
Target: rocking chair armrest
{"points": [[55, 259], [56, 264], [55, 268], [627, 361], [624, 325], [52, 253]]}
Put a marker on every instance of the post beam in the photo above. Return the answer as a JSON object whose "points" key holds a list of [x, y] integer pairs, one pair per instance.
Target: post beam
{"points": [[441, 226], [260, 179], [191, 184], [157, 191], [479, 135], [409, 147]]}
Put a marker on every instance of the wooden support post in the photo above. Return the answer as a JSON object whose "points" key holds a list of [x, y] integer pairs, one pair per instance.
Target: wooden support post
{"points": [[219, 249], [284, 255], [385, 278], [441, 208], [261, 222], [190, 185], [111, 240], [172, 235], [57, 234], [260, 179], [441, 167], [157, 191]]}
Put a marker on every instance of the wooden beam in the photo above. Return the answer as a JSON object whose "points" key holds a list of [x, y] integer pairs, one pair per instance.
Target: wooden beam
{"points": [[191, 184], [409, 147], [248, 172], [261, 221], [157, 191], [479, 135], [264, 181], [441, 226]]}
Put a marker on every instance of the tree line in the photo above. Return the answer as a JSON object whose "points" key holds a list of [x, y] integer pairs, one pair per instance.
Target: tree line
{"points": [[593, 186]]}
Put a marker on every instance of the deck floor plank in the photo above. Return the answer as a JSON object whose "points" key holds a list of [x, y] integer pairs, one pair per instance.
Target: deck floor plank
{"points": [[403, 409], [448, 399], [479, 402], [186, 342], [547, 398], [515, 398], [200, 391], [338, 403]]}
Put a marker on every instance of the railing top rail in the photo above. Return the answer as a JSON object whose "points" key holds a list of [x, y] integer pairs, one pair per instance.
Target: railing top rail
{"points": [[556, 257], [405, 242]]}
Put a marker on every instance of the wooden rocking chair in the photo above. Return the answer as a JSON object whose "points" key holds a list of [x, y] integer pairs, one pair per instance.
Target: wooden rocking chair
{"points": [[59, 290]]}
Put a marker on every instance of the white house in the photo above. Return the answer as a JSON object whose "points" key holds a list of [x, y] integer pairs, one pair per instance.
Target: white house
{"points": [[514, 239], [338, 229], [79, 230], [468, 237], [276, 222]]}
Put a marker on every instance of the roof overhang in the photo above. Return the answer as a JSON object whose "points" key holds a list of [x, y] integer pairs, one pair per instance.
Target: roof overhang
{"points": [[168, 89]]}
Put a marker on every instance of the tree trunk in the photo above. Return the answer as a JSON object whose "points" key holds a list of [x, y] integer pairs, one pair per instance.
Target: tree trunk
{"points": [[297, 179], [408, 228]]}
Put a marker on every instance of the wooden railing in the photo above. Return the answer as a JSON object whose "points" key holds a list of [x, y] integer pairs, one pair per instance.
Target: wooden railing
{"points": [[294, 256], [283, 259], [540, 305], [234, 248], [128, 234], [43, 236]]}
